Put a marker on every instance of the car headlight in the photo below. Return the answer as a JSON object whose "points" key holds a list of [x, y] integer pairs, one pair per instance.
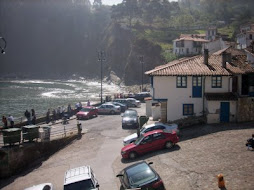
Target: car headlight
{"points": [[123, 152]]}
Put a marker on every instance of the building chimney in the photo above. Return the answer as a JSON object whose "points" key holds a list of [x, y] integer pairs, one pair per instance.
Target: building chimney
{"points": [[206, 56], [224, 59]]}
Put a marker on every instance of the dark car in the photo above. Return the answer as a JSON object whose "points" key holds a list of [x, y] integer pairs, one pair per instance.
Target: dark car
{"points": [[123, 106], [87, 112], [130, 119], [142, 95], [148, 142], [140, 176]]}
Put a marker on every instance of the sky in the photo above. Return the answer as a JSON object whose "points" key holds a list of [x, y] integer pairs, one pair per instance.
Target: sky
{"points": [[114, 2]]}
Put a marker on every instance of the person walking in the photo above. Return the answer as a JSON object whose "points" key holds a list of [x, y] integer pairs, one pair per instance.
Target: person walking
{"points": [[33, 116], [48, 116], [28, 117], [69, 110], [88, 103], [4, 120], [11, 120], [54, 116]]}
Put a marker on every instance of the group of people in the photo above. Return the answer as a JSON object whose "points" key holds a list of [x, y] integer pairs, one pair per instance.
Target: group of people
{"points": [[30, 117], [58, 113], [5, 121]]}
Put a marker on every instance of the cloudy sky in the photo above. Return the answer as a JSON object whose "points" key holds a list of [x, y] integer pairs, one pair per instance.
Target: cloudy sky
{"points": [[112, 2]]}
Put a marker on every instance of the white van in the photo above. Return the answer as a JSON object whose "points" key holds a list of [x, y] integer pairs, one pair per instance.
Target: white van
{"points": [[81, 178]]}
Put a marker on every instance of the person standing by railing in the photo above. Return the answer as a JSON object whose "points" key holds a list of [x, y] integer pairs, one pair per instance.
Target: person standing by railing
{"points": [[28, 117], [48, 116], [11, 120], [33, 116], [4, 120]]}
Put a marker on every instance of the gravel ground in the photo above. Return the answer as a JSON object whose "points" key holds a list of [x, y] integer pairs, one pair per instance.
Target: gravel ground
{"points": [[202, 153]]}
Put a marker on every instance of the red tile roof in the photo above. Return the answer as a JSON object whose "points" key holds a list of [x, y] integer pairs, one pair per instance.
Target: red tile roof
{"points": [[195, 66], [191, 39]]}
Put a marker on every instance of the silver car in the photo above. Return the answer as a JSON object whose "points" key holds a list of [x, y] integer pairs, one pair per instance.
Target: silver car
{"points": [[109, 109], [169, 128]]}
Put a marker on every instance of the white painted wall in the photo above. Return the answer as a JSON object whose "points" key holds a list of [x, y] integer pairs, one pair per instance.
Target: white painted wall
{"points": [[250, 58], [241, 41], [215, 45], [213, 111], [187, 45], [165, 88]]}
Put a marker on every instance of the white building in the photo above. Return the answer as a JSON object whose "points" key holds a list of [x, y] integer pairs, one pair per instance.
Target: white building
{"points": [[245, 37], [188, 45], [199, 85]]}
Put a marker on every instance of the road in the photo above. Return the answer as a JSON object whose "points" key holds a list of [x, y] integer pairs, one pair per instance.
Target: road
{"points": [[203, 152], [99, 147]]}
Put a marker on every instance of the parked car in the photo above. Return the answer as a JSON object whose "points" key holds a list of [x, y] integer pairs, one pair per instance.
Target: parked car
{"points": [[124, 101], [134, 102], [130, 119], [169, 128], [43, 186], [109, 109], [140, 176], [87, 112], [81, 178], [123, 106], [142, 95], [150, 141]]}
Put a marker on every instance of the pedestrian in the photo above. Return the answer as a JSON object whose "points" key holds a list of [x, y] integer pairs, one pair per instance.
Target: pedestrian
{"points": [[4, 120], [58, 112], [250, 143], [28, 117], [54, 116], [88, 103], [48, 116], [11, 120], [80, 106], [69, 110], [33, 116]]}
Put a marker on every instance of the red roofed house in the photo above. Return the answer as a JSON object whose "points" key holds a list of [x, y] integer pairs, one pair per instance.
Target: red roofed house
{"points": [[245, 37], [216, 86]]}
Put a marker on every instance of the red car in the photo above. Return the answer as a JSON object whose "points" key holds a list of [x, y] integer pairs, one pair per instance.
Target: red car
{"points": [[87, 112], [150, 141]]}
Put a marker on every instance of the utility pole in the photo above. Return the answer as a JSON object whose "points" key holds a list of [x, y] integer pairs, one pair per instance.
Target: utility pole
{"points": [[101, 58], [3, 45], [141, 60]]}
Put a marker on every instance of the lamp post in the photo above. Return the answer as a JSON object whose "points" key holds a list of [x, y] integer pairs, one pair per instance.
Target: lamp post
{"points": [[4, 45], [101, 58], [141, 60]]}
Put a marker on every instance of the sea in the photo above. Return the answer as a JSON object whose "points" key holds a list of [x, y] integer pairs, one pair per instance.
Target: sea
{"points": [[16, 96]]}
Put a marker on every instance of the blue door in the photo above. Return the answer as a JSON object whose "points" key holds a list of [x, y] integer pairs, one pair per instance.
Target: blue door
{"points": [[224, 112], [196, 87]]}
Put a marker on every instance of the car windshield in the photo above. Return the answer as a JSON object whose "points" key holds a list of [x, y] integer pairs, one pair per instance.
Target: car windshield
{"points": [[139, 139], [140, 174], [85, 109], [81, 185], [130, 114]]}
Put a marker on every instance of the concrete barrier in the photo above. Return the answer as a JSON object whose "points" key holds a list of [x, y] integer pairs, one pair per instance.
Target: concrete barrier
{"points": [[17, 158]]}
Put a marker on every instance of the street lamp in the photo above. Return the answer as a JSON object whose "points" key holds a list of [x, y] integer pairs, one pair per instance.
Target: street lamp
{"points": [[4, 45], [101, 58], [141, 60]]}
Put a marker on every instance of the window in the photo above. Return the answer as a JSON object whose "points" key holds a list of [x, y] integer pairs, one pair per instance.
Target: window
{"points": [[216, 82], [181, 81], [250, 36], [158, 136], [187, 109]]}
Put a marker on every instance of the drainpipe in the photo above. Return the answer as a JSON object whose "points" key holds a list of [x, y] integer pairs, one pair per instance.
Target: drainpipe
{"points": [[229, 83], [204, 97]]}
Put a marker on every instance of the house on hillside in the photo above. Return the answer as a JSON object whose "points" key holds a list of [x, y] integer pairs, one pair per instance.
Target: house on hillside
{"points": [[211, 33], [250, 55], [205, 85], [245, 37], [188, 45]]}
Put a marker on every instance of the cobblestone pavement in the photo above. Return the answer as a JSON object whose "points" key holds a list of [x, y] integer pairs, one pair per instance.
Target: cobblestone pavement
{"points": [[200, 156]]}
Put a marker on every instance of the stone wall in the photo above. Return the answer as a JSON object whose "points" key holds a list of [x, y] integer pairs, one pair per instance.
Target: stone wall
{"points": [[245, 109], [17, 158]]}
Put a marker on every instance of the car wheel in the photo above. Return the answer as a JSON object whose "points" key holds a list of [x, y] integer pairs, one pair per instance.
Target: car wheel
{"points": [[169, 145], [112, 112], [132, 155]]}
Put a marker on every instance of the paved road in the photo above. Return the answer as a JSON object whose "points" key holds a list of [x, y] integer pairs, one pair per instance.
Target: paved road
{"points": [[98, 147], [202, 153]]}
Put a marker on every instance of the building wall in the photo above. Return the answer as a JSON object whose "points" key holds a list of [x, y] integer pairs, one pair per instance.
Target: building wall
{"points": [[213, 111], [241, 41], [215, 45], [245, 109], [250, 58], [187, 45], [165, 88]]}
